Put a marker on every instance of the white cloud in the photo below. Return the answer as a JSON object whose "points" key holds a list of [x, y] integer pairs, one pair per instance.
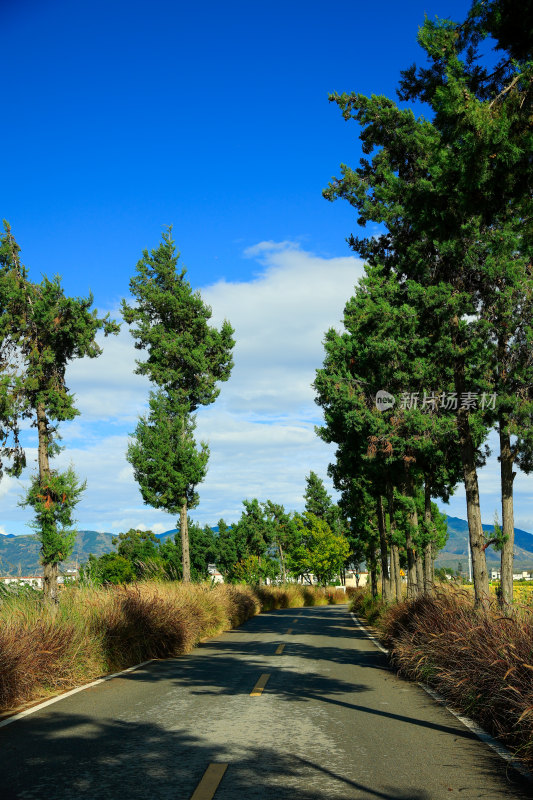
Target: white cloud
{"points": [[280, 319], [7, 484], [268, 248], [107, 387]]}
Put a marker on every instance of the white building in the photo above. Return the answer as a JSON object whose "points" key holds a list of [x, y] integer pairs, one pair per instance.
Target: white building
{"points": [[36, 581], [525, 575]]}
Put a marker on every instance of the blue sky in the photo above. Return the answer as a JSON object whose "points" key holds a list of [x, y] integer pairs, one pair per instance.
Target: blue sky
{"points": [[123, 117]]}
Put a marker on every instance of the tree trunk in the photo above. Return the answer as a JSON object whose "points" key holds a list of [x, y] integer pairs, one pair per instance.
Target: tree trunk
{"points": [[507, 478], [282, 562], [412, 583], [428, 550], [373, 570], [419, 572], [385, 580], [428, 568], [50, 571], [42, 430], [395, 554], [50, 582], [185, 556], [473, 510], [374, 581], [392, 572], [394, 550]]}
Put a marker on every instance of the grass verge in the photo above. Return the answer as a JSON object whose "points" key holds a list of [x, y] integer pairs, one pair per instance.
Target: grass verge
{"points": [[94, 632], [480, 661]]}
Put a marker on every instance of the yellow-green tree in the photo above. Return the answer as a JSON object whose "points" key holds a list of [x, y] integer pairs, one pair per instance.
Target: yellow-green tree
{"points": [[319, 550]]}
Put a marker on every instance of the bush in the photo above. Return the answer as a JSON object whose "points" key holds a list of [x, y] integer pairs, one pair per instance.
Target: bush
{"points": [[363, 604]]}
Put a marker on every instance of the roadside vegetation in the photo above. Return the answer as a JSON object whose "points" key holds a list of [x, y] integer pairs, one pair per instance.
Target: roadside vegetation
{"points": [[480, 660], [93, 631]]}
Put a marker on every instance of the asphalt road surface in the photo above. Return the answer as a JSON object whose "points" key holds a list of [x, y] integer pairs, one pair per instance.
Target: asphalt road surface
{"points": [[295, 705]]}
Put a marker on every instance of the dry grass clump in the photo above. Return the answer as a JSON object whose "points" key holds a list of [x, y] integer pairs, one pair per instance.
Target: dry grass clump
{"points": [[293, 595], [481, 661], [39, 650]]}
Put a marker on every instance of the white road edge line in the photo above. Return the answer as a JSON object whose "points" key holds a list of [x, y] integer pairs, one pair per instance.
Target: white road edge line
{"points": [[472, 726], [376, 642], [33, 709]]}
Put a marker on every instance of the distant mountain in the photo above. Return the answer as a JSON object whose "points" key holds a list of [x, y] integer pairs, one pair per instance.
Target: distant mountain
{"points": [[167, 534], [456, 549], [19, 555]]}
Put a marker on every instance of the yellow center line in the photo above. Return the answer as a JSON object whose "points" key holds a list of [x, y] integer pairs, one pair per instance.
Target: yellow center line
{"points": [[295, 620], [289, 630], [260, 685], [210, 781], [279, 650]]}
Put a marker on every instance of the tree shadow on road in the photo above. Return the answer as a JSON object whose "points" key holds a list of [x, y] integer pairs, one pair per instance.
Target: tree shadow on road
{"points": [[72, 756]]}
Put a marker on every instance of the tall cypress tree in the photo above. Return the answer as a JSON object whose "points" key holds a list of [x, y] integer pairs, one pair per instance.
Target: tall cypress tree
{"points": [[186, 360], [12, 399], [48, 330]]}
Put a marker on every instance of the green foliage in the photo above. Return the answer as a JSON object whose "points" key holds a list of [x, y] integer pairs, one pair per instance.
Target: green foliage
{"points": [[455, 198], [138, 557], [107, 568], [227, 553], [41, 332], [166, 463], [53, 503], [252, 533], [317, 500], [186, 356], [283, 533], [319, 551], [138, 547], [252, 570]]}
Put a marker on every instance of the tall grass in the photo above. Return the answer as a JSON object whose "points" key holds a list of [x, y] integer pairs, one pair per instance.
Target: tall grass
{"points": [[481, 661], [95, 631]]}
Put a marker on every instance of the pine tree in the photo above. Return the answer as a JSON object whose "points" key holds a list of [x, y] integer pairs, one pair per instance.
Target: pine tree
{"points": [[317, 500], [186, 360], [12, 400], [283, 532]]}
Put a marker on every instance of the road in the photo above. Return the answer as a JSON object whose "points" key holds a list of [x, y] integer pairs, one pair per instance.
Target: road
{"points": [[327, 719]]}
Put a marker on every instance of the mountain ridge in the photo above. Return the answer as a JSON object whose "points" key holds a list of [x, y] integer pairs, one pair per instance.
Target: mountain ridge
{"points": [[19, 555]]}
